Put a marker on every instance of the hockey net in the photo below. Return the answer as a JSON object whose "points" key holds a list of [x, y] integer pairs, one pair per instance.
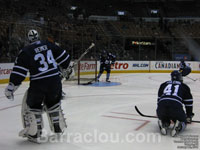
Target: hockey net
{"points": [[85, 72]]}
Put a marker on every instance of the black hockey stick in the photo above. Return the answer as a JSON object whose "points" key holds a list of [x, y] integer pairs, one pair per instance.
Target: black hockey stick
{"points": [[90, 82], [143, 115]]}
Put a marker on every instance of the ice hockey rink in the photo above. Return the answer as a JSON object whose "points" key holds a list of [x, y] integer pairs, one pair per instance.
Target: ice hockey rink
{"points": [[104, 118]]}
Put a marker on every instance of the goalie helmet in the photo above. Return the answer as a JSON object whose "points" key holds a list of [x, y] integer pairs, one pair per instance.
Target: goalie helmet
{"points": [[176, 76], [33, 35]]}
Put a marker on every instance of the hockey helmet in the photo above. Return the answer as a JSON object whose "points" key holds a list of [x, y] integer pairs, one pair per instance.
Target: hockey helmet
{"points": [[176, 76], [182, 61], [104, 53], [33, 35]]}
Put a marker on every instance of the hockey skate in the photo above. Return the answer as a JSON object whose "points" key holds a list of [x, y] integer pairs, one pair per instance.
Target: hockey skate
{"points": [[163, 127], [176, 129], [35, 139], [107, 80]]}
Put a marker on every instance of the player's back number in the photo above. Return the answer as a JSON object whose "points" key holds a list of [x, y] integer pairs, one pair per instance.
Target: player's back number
{"points": [[171, 89], [45, 60]]}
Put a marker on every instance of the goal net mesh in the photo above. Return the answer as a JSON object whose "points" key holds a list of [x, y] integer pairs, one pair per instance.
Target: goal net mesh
{"points": [[85, 72]]}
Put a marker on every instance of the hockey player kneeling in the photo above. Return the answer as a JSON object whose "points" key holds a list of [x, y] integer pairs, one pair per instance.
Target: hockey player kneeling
{"points": [[171, 96], [40, 58]]}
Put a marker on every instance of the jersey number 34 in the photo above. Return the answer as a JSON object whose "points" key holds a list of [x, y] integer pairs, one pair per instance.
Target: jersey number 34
{"points": [[45, 61]]}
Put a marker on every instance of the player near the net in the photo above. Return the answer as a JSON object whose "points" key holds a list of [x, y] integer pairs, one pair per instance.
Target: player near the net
{"points": [[41, 59], [106, 60]]}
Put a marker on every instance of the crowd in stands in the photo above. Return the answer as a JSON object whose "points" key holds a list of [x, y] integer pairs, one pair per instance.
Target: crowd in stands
{"points": [[77, 36], [165, 34]]}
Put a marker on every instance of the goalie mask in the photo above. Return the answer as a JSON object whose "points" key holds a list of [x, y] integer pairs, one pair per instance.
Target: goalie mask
{"points": [[33, 36]]}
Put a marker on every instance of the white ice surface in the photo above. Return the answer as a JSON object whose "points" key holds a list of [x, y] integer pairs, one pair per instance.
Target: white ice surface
{"points": [[103, 118]]}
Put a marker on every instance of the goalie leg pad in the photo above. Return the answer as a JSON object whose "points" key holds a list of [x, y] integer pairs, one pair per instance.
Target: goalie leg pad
{"points": [[56, 118], [33, 123], [31, 119], [25, 111]]}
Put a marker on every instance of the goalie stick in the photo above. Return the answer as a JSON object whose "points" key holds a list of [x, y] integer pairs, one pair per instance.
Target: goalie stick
{"points": [[143, 115], [76, 62], [86, 51]]}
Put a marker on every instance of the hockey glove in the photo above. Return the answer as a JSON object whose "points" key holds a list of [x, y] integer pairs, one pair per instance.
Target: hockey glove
{"points": [[189, 118], [67, 72], [10, 89]]}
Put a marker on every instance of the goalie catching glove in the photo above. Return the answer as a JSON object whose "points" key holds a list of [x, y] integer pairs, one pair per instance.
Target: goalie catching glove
{"points": [[10, 89]]}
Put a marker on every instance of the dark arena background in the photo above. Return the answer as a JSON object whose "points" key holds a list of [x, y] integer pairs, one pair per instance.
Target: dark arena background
{"points": [[132, 29], [149, 39]]}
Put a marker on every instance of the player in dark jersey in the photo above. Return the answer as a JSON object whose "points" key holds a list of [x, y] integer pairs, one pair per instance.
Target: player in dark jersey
{"points": [[184, 68], [171, 96], [41, 60], [106, 60]]}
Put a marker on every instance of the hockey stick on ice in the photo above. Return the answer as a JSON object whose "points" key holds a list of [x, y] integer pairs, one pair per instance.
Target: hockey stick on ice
{"points": [[192, 78], [143, 115], [90, 82]]}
